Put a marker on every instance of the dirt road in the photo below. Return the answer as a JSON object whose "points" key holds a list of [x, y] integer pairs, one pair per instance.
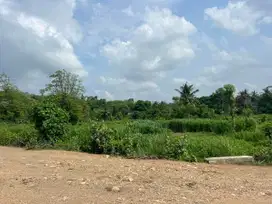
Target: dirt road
{"points": [[54, 177]]}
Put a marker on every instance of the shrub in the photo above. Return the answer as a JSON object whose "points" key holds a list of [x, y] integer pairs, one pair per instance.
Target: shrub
{"points": [[146, 127], [76, 139], [100, 137], [256, 136], [267, 130], [264, 155], [7, 137], [245, 124], [51, 121], [18, 135]]}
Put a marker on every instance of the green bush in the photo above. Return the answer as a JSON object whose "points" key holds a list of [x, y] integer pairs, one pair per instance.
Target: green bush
{"points": [[6, 136], [267, 130], [76, 139], [245, 124], [264, 155], [51, 121], [18, 135], [132, 140], [257, 137], [100, 137], [146, 127]]}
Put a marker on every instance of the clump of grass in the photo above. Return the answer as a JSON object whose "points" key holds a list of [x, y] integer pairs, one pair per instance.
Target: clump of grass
{"points": [[200, 125], [20, 135]]}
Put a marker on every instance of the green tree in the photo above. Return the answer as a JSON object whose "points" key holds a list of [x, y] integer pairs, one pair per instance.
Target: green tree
{"points": [[265, 101], [229, 99], [50, 120], [67, 90], [243, 101], [15, 105], [187, 93], [64, 83], [5, 83]]}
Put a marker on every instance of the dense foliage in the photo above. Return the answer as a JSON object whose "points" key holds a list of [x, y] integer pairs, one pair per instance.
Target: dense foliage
{"points": [[188, 128]]}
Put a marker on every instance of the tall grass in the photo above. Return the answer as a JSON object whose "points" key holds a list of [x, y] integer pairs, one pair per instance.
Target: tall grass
{"points": [[19, 135], [209, 125], [200, 147]]}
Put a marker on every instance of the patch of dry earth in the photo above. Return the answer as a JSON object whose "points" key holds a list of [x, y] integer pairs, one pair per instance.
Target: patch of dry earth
{"points": [[57, 177]]}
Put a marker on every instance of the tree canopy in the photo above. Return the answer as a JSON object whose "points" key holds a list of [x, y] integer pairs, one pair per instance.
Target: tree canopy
{"points": [[66, 91]]}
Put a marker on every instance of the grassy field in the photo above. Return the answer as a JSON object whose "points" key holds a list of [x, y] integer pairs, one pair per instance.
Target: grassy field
{"points": [[185, 139]]}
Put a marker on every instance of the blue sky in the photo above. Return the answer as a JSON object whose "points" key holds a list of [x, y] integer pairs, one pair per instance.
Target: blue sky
{"points": [[142, 49]]}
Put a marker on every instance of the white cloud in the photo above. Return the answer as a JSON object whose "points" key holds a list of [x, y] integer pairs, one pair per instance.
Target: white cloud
{"points": [[266, 20], [38, 38], [238, 17], [267, 40], [128, 11], [180, 81], [122, 84], [159, 44], [104, 94], [251, 86]]}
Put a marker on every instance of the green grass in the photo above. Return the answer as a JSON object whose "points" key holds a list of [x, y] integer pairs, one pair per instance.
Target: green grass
{"points": [[146, 138], [202, 145]]}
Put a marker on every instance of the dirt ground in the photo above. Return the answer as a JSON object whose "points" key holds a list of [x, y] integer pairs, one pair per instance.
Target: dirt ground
{"points": [[54, 177]]}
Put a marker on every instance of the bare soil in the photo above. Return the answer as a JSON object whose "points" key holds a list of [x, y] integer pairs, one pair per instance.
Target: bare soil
{"points": [[56, 177]]}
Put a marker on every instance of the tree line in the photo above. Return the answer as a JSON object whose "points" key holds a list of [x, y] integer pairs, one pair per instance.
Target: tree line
{"points": [[67, 92]]}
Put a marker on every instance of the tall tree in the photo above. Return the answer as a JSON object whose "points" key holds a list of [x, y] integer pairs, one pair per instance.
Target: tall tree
{"points": [[265, 101], [64, 83], [187, 93], [5, 83], [243, 101], [229, 99]]}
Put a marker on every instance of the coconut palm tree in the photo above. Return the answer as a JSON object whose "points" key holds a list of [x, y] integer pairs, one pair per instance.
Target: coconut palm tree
{"points": [[187, 93]]}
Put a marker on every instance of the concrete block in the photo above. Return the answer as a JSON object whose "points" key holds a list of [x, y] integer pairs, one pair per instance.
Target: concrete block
{"points": [[230, 160]]}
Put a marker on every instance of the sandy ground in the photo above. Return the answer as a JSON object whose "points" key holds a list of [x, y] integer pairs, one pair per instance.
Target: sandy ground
{"points": [[54, 177]]}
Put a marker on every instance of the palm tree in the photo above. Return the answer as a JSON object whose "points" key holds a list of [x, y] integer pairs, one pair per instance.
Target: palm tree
{"points": [[243, 100], [187, 93]]}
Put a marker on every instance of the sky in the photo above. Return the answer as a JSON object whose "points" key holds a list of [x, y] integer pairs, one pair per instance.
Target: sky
{"points": [[140, 49]]}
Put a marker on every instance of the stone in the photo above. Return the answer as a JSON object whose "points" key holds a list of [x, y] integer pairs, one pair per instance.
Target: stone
{"points": [[128, 178], [65, 198], [115, 189]]}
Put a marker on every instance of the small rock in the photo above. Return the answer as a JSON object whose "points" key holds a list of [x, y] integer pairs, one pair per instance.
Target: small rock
{"points": [[130, 179], [262, 193], [107, 156], [269, 193], [65, 198], [83, 183], [152, 169], [191, 184], [113, 189], [69, 182], [140, 189], [45, 178]]}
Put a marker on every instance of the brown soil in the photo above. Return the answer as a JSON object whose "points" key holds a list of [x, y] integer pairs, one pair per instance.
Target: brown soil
{"points": [[54, 177]]}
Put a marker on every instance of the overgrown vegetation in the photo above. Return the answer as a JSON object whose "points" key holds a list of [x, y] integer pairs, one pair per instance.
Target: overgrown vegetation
{"points": [[189, 128]]}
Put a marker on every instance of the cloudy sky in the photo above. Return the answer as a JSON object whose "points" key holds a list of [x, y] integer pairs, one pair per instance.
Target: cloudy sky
{"points": [[138, 48]]}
